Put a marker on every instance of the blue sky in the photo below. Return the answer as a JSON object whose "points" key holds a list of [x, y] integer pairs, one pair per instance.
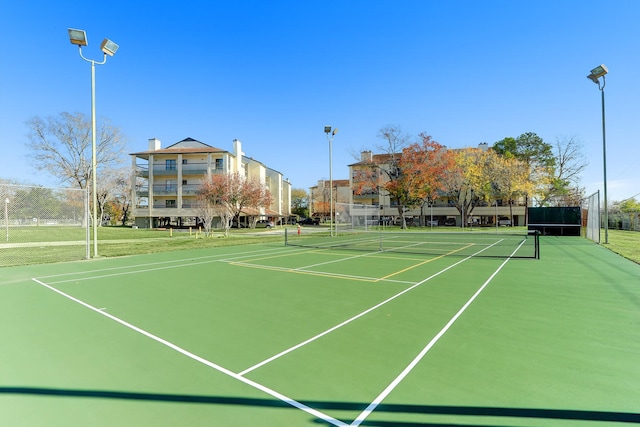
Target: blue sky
{"points": [[273, 73]]}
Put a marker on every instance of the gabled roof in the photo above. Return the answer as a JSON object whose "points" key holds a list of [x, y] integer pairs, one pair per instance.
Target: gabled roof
{"points": [[187, 145]]}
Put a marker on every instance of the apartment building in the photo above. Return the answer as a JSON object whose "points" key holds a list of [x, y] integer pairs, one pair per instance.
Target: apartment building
{"points": [[166, 181], [441, 212], [320, 195]]}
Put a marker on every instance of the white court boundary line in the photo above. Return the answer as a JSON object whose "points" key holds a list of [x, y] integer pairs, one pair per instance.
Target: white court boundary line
{"points": [[373, 405], [206, 362], [185, 262], [320, 415]]}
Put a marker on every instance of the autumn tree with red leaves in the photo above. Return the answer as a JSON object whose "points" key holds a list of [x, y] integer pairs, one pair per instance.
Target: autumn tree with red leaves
{"points": [[226, 195], [425, 168]]}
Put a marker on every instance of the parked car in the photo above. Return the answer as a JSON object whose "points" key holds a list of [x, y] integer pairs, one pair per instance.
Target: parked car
{"points": [[504, 221], [309, 221], [264, 223], [450, 222]]}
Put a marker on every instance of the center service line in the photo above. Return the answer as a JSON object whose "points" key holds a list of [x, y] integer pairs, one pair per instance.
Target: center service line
{"points": [[369, 409], [357, 316]]}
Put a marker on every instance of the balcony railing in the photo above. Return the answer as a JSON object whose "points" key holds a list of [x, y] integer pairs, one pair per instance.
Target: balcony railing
{"points": [[164, 170], [190, 189], [194, 169], [165, 190]]}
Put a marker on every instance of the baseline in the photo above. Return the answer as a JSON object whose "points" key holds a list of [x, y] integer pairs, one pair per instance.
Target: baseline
{"points": [[202, 360]]}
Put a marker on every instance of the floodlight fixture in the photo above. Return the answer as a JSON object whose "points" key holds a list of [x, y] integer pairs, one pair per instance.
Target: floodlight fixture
{"points": [[109, 47], [77, 37], [327, 129], [600, 71], [334, 131]]}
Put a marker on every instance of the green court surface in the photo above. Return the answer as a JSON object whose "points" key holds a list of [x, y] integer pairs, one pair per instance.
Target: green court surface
{"points": [[273, 335]]}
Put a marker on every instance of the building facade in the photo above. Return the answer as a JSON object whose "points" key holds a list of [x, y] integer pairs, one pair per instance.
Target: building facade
{"points": [[166, 182], [443, 211]]}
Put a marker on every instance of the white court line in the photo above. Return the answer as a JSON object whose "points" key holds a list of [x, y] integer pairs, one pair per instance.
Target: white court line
{"points": [[357, 316], [206, 362], [318, 273], [185, 263], [373, 405]]}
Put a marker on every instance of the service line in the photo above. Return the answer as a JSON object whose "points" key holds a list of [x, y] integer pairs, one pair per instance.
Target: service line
{"points": [[199, 359]]}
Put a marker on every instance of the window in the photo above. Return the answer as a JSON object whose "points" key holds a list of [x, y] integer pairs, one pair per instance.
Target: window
{"points": [[184, 161], [219, 164], [184, 182], [170, 203], [170, 165]]}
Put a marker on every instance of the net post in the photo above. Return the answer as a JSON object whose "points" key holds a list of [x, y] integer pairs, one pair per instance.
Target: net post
{"points": [[286, 237], [536, 242]]}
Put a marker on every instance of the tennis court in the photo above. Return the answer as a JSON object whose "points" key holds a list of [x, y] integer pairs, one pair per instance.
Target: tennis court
{"points": [[275, 335]]}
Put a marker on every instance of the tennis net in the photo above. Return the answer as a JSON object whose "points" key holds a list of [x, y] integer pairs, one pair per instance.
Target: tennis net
{"points": [[493, 245]]}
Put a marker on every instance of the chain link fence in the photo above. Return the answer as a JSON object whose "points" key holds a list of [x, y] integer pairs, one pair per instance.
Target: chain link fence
{"points": [[41, 224]]}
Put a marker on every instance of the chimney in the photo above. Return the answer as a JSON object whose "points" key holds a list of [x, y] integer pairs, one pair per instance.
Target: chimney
{"points": [[366, 156], [237, 151], [154, 144]]}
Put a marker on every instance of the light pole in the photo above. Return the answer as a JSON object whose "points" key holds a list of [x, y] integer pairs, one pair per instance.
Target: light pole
{"points": [[330, 135], [79, 38], [596, 73], [6, 216]]}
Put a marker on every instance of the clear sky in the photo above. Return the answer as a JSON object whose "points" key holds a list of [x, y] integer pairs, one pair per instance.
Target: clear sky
{"points": [[274, 73]]}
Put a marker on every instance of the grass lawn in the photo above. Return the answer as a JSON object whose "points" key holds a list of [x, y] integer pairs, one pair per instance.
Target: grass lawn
{"points": [[123, 241], [625, 243]]}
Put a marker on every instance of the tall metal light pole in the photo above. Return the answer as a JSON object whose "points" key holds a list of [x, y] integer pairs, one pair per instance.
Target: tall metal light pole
{"points": [[330, 135], [6, 216], [596, 73], [79, 38]]}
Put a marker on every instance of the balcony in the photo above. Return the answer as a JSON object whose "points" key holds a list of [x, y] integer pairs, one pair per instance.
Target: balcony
{"points": [[165, 190], [164, 170], [190, 189], [194, 169], [142, 191], [142, 171]]}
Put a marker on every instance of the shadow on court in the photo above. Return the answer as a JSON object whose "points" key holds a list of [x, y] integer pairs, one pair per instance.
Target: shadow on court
{"points": [[470, 411]]}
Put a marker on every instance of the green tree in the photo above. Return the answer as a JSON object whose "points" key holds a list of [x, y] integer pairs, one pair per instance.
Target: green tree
{"points": [[300, 202], [536, 154]]}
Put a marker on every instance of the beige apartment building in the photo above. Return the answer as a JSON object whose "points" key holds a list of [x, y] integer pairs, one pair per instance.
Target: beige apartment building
{"points": [[357, 190], [166, 181]]}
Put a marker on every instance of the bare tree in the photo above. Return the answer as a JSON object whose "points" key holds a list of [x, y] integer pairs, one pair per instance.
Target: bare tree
{"points": [[61, 146], [114, 195], [563, 186]]}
